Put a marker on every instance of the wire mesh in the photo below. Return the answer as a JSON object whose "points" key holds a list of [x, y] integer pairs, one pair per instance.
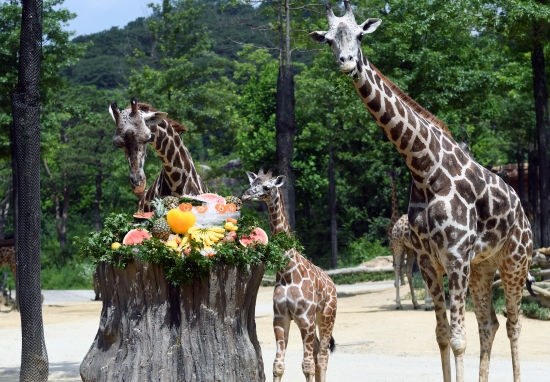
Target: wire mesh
{"points": [[26, 150]]}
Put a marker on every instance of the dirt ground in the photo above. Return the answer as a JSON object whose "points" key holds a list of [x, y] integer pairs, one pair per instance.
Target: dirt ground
{"points": [[374, 341]]}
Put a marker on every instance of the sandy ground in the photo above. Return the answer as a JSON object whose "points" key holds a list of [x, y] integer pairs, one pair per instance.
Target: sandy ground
{"points": [[374, 341]]}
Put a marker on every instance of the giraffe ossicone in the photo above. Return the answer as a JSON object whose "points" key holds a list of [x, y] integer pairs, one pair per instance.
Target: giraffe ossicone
{"points": [[464, 220], [303, 292], [141, 125]]}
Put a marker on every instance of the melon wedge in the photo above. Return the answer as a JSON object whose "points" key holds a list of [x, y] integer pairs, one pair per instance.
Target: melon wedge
{"points": [[144, 215], [211, 199], [136, 236], [257, 235]]}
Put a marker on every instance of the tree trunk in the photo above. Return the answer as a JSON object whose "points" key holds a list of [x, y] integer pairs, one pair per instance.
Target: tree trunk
{"points": [[97, 199], [541, 114], [521, 177], [61, 213], [332, 207], [151, 330], [533, 210], [285, 125]]}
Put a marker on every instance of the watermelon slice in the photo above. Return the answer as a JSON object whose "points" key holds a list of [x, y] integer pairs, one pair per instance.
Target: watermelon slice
{"points": [[136, 236], [211, 199], [257, 234], [144, 215]]}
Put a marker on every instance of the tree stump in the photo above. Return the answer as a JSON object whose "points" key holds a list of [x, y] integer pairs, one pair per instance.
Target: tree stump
{"points": [[151, 330]]}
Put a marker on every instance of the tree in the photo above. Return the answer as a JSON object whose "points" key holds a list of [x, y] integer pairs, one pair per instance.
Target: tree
{"points": [[57, 52]]}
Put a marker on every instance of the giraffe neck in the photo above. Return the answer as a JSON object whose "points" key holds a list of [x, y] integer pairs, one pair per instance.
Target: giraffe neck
{"points": [[277, 215], [417, 135], [179, 171]]}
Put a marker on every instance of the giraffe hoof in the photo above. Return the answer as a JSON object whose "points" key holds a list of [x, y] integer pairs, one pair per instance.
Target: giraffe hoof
{"points": [[416, 307], [429, 308], [398, 307]]}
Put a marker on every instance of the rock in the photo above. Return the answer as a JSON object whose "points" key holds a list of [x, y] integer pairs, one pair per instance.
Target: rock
{"points": [[379, 262]]}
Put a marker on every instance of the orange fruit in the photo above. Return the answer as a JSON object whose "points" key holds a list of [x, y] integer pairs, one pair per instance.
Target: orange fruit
{"points": [[201, 209], [220, 208], [186, 207], [230, 207], [231, 220], [180, 221]]}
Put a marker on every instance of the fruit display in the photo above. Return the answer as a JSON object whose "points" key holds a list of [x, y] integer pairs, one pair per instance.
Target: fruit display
{"points": [[202, 222], [187, 256]]}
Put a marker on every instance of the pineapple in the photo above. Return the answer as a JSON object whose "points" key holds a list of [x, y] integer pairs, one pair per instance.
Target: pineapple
{"points": [[171, 202], [161, 229], [236, 201]]}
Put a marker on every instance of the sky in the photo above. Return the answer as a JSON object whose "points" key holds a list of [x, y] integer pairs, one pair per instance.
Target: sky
{"points": [[99, 15]]}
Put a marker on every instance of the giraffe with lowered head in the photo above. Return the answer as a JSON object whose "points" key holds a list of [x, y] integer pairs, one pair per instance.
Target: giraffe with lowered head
{"points": [[464, 220], [403, 254], [140, 125], [303, 292]]}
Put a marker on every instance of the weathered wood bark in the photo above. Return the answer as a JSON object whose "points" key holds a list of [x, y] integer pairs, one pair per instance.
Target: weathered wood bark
{"points": [[151, 330]]}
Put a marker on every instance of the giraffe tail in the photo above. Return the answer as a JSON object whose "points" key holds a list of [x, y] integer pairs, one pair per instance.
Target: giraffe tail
{"points": [[528, 282], [332, 345]]}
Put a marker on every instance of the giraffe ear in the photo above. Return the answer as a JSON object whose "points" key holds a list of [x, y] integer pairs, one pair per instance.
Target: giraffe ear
{"points": [[318, 36], [279, 181], [154, 117], [251, 176], [113, 110], [370, 25]]}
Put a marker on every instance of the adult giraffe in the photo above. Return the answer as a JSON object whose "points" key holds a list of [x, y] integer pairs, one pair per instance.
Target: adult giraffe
{"points": [[464, 220], [140, 125], [303, 292]]}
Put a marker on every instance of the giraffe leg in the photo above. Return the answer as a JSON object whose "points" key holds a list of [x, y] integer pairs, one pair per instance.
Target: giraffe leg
{"points": [[408, 269], [325, 323], [434, 281], [403, 268], [398, 250], [458, 275], [428, 302], [309, 337], [513, 275], [281, 326], [481, 279]]}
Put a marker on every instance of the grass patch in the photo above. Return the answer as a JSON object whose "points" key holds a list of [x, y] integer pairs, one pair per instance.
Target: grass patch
{"points": [[361, 277], [531, 309]]}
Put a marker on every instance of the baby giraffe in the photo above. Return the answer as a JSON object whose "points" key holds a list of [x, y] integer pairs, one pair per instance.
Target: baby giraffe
{"points": [[303, 292]]}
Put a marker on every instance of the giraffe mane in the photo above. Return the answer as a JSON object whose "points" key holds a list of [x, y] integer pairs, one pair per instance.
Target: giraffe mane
{"points": [[178, 127], [412, 103]]}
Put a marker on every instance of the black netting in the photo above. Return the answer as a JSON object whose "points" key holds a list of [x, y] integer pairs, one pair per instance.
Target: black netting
{"points": [[26, 158]]}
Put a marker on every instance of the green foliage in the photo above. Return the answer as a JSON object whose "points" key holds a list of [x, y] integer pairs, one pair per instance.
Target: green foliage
{"points": [[361, 278], [57, 52], [533, 309], [362, 250], [179, 270]]}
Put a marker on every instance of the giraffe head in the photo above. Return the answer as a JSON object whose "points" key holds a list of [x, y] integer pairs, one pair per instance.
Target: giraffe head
{"points": [[132, 135], [344, 36], [263, 186]]}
